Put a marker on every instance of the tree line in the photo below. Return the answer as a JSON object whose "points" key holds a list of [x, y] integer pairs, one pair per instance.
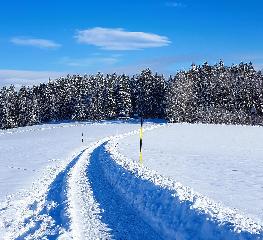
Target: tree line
{"points": [[205, 93]]}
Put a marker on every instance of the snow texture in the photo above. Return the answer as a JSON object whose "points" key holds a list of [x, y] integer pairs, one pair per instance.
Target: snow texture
{"points": [[173, 210], [222, 162], [35, 205], [97, 193]]}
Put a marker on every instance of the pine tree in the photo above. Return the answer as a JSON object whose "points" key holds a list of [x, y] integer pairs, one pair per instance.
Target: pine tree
{"points": [[123, 96], [206, 93], [9, 108], [109, 107]]}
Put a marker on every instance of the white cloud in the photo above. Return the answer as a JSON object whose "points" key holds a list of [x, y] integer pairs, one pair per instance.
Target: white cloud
{"points": [[27, 78], [35, 42], [119, 39]]}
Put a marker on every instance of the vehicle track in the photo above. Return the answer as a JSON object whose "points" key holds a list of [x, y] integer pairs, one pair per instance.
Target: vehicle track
{"points": [[81, 204]]}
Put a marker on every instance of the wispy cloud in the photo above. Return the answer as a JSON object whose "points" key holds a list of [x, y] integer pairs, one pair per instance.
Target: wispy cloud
{"points": [[119, 39], [35, 42], [27, 78], [90, 61], [175, 4]]}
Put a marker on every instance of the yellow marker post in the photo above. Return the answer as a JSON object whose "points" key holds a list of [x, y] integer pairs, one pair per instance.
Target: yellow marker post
{"points": [[141, 143]]}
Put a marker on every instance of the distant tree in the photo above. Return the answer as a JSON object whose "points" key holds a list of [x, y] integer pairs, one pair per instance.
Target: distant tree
{"points": [[9, 108], [122, 94], [215, 94], [145, 87]]}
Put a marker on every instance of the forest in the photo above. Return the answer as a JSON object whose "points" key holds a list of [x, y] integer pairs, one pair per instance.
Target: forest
{"points": [[206, 93]]}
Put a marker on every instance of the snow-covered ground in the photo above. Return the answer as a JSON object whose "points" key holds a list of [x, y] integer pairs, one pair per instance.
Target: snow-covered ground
{"points": [[224, 163], [25, 152], [53, 186]]}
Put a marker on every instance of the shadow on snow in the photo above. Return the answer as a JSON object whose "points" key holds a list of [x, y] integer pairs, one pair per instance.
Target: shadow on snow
{"points": [[119, 216], [55, 205]]}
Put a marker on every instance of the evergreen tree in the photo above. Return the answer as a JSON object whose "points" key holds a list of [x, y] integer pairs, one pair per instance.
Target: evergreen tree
{"points": [[123, 96], [206, 93], [9, 108]]}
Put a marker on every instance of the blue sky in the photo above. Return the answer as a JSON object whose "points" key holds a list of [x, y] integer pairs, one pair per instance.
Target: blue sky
{"points": [[39, 39]]}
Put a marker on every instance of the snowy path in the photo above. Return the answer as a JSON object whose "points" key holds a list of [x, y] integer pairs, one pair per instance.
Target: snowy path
{"points": [[100, 194], [46, 217], [64, 205], [47, 153], [97, 210], [121, 218], [52, 220], [26, 152]]}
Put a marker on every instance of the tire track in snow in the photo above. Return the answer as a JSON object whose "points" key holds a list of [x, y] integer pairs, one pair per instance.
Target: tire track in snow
{"points": [[52, 220], [83, 209], [67, 208], [84, 201], [96, 211], [122, 219]]}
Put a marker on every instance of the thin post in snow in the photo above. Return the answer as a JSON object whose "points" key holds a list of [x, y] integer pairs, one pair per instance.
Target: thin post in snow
{"points": [[140, 158]]}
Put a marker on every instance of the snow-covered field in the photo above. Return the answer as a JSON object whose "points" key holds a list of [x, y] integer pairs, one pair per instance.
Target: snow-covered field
{"points": [[224, 163], [25, 152], [53, 186]]}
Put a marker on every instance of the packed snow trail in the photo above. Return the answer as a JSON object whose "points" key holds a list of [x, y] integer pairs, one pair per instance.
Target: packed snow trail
{"points": [[48, 210], [26, 152], [46, 150], [121, 218], [100, 194], [51, 220], [122, 196], [96, 210], [56, 216]]}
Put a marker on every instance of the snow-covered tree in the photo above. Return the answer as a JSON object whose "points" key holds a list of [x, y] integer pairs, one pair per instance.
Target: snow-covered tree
{"points": [[206, 93], [9, 113], [122, 96]]}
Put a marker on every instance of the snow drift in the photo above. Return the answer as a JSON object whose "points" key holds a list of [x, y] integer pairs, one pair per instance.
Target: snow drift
{"points": [[98, 193], [172, 210]]}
